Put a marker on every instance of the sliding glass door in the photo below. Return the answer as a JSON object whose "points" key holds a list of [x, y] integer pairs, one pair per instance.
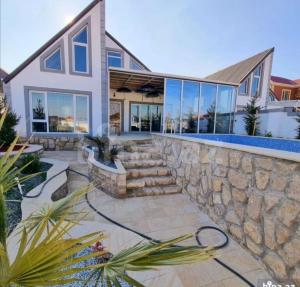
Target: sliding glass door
{"points": [[145, 117]]}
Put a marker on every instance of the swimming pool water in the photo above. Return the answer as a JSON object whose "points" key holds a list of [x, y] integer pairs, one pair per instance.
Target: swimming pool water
{"points": [[263, 142]]}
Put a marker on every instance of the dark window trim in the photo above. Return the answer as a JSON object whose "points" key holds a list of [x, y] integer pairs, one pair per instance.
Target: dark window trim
{"points": [[86, 22], [43, 58]]}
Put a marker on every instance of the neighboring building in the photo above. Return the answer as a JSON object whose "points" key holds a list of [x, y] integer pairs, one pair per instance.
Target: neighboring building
{"points": [[84, 81], [3, 75], [285, 89]]}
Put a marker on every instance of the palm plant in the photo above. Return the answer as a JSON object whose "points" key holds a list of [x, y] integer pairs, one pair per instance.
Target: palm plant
{"points": [[101, 142], [45, 251], [251, 118]]}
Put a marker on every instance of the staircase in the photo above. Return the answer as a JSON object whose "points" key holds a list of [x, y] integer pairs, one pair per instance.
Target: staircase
{"points": [[146, 171]]}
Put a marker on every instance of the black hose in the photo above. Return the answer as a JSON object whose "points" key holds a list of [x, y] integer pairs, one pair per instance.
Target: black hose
{"points": [[197, 234]]}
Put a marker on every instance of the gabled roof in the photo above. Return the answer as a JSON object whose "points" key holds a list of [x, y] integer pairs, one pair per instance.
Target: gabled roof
{"points": [[238, 72], [60, 34], [297, 81], [281, 80]]}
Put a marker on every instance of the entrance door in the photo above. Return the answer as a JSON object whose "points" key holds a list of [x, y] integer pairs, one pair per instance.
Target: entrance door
{"points": [[145, 118], [135, 118], [115, 118]]}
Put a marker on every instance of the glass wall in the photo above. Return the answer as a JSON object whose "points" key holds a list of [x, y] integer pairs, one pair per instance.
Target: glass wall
{"points": [[190, 106], [207, 108], [172, 105], [195, 107]]}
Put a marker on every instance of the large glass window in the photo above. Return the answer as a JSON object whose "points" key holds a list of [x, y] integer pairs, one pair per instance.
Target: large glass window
{"points": [[80, 51], [172, 105], [59, 112], [190, 105], [207, 108], [53, 61], [243, 89], [134, 65], [224, 109], [256, 80], [114, 59]]}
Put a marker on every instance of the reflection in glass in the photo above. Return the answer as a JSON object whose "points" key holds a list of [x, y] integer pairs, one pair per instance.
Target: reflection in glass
{"points": [[156, 111], [60, 112], [172, 105], [54, 61], [38, 106], [80, 58], [224, 106], [39, 127], [145, 118], [82, 114], [135, 118], [190, 104], [207, 108]]}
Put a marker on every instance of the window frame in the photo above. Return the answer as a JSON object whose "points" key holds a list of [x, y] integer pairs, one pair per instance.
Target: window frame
{"points": [[246, 93], [72, 64], [114, 51], [46, 120], [49, 53], [261, 66], [134, 62], [289, 94]]}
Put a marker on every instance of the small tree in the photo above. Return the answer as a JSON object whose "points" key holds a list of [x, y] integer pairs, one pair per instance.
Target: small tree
{"points": [[298, 128], [8, 133], [251, 118]]}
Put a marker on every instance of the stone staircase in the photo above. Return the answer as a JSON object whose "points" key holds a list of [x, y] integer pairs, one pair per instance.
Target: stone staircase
{"points": [[147, 173]]}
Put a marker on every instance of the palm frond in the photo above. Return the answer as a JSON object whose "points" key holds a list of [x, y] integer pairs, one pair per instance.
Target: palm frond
{"points": [[150, 255]]}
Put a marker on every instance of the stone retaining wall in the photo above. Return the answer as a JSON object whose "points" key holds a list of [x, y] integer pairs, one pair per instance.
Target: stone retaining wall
{"points": [[58, 142], [254, 198], [108, 179]]}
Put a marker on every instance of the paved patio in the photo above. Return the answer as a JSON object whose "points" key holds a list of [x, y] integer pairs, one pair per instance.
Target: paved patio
{"points": [[164, 217]]}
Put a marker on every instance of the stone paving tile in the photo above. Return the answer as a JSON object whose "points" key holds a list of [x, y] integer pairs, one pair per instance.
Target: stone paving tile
{"points": [[165, 217]]}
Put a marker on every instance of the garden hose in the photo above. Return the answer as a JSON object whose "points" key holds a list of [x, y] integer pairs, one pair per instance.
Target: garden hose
{"points": [[197, 234]]}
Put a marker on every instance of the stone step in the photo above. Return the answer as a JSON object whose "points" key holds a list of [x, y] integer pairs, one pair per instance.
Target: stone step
{"points": [[138, 142], [155, 190], [137, 155], [147, 181], [152, 171], [150, 148], [142, 163]]}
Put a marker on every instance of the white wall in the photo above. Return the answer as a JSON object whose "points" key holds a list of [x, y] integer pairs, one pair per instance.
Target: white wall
{"points": [[32, 76], [262, 101], [280, 123]]}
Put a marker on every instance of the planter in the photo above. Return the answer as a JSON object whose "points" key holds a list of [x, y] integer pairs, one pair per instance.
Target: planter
{"points": [[112, 180], [31, 148]]}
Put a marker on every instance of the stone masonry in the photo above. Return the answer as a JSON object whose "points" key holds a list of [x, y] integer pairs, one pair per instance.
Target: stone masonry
{"points": [[255, 198]]}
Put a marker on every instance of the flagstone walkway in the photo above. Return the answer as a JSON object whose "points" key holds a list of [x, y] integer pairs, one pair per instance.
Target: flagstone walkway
{"points": [[163, 217]]}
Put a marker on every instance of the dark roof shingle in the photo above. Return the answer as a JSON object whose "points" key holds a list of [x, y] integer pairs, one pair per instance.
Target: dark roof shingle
{"points": [[238, 72]]}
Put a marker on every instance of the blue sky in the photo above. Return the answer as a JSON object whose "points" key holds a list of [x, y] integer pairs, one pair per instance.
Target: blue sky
{"points": [[190, 37]]}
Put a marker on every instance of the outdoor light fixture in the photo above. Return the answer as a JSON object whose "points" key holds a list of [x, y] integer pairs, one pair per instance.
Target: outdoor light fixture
{"points": [[146, 89], [123, 90], [154, 94]]}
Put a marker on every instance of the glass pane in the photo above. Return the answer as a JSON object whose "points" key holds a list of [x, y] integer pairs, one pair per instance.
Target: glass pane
{"points": [[38, 106], [255, 86], [243, 90], [81, 37], [135, 118], [207, 108], [172, 105], [114, 59], [145, 118], [54, 61], [39, 127], [190, 107], [156, 111], [224, 109], [135, 66], [80, 58], [257, 71], [82, 125], [60, 112], [115, 117]]}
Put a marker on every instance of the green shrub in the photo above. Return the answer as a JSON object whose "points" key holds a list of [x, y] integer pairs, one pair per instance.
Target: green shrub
{"points": [[251, 118], [34, 166], [7, 132]]}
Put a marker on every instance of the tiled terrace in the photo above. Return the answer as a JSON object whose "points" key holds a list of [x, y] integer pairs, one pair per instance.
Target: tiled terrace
{"points": [[163, 217]]}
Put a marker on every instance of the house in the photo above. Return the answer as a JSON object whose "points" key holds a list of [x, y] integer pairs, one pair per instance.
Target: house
{"points": [[3, 75], [285, 89], [84, 81]]}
